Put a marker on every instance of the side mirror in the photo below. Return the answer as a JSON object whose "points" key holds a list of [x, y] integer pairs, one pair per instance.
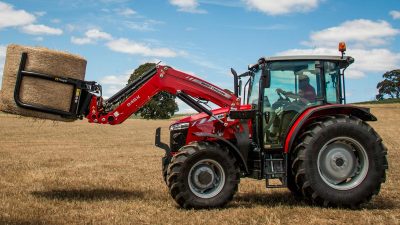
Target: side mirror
{"points": [[234, 72], [235, 82], [266, 78]]}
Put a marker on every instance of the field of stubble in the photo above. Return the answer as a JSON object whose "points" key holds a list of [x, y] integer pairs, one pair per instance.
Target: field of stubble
{"points": [[80, 173]]}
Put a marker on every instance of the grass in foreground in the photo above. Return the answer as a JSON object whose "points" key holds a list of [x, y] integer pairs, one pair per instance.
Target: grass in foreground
{"points": [[80, 173]]}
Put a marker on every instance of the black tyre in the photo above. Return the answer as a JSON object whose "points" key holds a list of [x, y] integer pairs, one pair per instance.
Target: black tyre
{"points": [[292, 186], [203, 175], [165, 161], [291, 176], [339, 161]]}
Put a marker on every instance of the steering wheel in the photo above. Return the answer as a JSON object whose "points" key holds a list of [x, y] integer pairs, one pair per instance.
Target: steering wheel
{"points": [[285, 97], [285, 94], [297, 97]]}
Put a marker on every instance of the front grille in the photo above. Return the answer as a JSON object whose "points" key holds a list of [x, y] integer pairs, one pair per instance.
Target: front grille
{"points": [[177, 139]]}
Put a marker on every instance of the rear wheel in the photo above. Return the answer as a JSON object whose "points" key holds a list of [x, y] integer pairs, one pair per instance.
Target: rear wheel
{"points": [[340, 161], [203, 175], [292, 186]]}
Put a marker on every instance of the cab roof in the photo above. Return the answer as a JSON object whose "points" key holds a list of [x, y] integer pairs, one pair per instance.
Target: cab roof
{"points": [[344, 61]]}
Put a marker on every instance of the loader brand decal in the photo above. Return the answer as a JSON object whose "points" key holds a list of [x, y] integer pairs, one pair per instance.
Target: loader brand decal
{"points": [[59, 79], [209, 119], [133, 101], [209, 86]]}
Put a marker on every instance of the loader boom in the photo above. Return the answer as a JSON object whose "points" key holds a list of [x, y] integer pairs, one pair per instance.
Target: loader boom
{"points": [[123, 104]]}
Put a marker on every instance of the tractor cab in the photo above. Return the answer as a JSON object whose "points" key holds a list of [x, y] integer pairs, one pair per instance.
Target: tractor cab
{"points": [[283, 87]]}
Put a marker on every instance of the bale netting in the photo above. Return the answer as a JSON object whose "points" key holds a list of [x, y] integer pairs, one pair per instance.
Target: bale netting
{"points": [[39, 91]]}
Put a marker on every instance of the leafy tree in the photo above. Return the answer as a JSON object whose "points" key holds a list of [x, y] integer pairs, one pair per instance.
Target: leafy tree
{"points": [[390, 86], [161, 106]]}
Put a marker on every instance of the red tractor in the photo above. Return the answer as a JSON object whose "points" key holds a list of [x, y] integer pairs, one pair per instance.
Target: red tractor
{"points": [[290, 125]]}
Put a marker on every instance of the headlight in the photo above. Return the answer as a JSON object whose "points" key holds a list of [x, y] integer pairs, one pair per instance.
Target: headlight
{"points": [[179, 126]]}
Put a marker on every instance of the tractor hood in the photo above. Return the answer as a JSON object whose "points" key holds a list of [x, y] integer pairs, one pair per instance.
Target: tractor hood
{"points": [[190, 119], [203, 117]]}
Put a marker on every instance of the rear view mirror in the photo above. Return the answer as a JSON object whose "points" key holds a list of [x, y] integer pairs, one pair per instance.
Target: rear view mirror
{"points": [[266, 78]]}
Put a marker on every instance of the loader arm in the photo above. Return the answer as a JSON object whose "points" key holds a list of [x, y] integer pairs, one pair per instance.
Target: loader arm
{"points": [[130, 99]]}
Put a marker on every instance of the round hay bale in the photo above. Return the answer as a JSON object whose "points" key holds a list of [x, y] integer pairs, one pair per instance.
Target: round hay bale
{"points": [[38, 91]]}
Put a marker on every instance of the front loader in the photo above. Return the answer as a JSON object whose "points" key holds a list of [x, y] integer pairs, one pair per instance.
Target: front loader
{"points": [[290, 127]]}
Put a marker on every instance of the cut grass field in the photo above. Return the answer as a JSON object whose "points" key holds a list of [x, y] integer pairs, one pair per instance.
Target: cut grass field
{"points": [[80, 173]]}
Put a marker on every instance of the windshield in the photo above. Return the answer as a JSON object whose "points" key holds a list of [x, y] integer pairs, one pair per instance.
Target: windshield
{"points": [[298, 79]]}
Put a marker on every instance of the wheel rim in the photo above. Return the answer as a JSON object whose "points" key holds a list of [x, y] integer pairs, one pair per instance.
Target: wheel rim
{"points": [[206, 178], [343, 163]]}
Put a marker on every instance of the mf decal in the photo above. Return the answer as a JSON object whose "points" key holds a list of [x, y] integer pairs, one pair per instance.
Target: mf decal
{"points": [[209, 86]]}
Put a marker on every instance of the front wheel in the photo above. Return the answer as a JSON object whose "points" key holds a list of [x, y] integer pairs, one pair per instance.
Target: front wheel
{"points": [[203, 175], [164, 166], [340, 161]]}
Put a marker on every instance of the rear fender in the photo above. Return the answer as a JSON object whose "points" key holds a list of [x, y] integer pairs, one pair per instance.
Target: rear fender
{"points": [[310, 114]]}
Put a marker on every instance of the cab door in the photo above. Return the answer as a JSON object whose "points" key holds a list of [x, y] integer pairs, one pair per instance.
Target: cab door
{"points": [[294, 87]]}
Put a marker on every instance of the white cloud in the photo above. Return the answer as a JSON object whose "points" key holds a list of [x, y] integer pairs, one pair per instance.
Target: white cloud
{"points": [[119, 80], [366, 41], [110, 90], [190, 6], [273, 7], [40, 29], [40, 13], [126, 12], [147, 25], [97, 34], [366, 60], [395, 14], [113, 83], [81, 41], [124, 45], [9, 17], [184, 108], [153, 60], [2, 61], [91, 36], [360, 32]]}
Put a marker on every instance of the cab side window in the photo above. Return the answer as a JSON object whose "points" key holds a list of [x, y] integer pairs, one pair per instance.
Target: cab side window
{"points": [[332, 76]]}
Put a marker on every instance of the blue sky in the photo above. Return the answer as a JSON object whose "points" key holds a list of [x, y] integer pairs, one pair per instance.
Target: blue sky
{"points": [[207, 37]]}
